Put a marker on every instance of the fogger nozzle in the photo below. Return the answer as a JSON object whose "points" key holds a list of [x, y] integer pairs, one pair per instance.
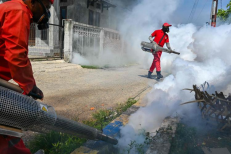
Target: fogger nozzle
{"points": [[23, 112], [146, 46]]}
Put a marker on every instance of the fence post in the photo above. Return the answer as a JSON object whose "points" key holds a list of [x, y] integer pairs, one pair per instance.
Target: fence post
{"points": [[101, 40], [68, 40]]}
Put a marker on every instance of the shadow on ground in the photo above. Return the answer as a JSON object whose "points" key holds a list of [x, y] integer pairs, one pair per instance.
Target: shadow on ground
{"points": [[152, 77]]}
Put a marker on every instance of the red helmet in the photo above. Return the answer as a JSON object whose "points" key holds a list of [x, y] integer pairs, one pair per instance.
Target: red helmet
{"points": [[52, 1], [166, 25]]}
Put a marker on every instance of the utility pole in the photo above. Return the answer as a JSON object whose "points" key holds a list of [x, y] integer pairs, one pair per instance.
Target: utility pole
{"points": [[214, 13]]}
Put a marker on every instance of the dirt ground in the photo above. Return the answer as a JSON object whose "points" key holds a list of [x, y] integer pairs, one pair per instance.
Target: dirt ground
{"points": [[73, 91]]}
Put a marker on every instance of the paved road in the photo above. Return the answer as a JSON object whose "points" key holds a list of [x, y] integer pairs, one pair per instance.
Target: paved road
{"points": [[72, 90]]}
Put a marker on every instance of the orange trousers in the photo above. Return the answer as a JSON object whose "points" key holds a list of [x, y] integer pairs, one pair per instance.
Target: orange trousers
{"points": [[12, 145], [156, 62]]}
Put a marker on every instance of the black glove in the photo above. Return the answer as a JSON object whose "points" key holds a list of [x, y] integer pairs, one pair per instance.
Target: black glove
{"points": [[36, 93]]}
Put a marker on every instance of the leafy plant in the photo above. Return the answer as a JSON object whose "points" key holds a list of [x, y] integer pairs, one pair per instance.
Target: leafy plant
{"points": [[224, 14], [54, 142], [59, 143], [185, 141], [139, 148], [103, 117], [123, 107], [90, 67]]}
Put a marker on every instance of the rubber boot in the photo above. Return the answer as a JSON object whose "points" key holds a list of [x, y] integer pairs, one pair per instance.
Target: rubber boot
{"points": [[149, 74], [159, 75]]}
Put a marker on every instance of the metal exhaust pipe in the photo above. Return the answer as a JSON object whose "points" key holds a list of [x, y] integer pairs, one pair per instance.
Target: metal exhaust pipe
{"points": [[23, 112]]}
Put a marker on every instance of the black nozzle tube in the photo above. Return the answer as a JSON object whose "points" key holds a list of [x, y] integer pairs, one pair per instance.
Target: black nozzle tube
{"points": [[81, 130]]}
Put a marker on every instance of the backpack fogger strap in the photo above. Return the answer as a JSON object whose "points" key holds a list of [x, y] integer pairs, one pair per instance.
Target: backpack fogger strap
{"points": [[10, 86], [161, 39]]}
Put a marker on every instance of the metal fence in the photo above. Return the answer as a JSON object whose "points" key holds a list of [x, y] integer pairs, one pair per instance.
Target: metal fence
{"points": [[86, 39], [112, 41], [46, 43]]}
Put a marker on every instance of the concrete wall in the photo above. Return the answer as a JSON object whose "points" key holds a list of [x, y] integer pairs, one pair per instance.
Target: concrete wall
{"points": [[112, 41], [54, 31], [89, 40], [86, 39]]}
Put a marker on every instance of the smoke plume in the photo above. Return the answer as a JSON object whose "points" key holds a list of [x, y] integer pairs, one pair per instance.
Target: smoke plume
{"points": [[204, 57]]}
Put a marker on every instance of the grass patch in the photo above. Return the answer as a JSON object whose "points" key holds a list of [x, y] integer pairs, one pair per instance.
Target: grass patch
{"points": [[191, 140], [139, 148], [90, 67], [55, 143], [185, 141], [59, 143]]}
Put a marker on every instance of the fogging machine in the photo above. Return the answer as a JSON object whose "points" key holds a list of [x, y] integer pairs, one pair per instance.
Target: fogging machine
{"points": [[21, 113], [150, 47]]}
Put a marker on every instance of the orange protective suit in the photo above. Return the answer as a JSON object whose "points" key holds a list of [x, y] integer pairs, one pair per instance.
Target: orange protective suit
{"points": [[15, 20], [158, 34]]}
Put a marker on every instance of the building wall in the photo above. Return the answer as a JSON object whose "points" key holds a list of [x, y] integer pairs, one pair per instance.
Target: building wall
{"points": [[52, 45], [117, 15], [89, 41], [79, 12]]}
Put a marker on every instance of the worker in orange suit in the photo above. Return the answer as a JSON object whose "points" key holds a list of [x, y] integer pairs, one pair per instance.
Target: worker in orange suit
{"points": [[160, 38], [15, 19]]}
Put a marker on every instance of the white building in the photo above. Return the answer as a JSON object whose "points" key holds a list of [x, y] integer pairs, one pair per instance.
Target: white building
{"points": [[90, 12], [99, 13]]}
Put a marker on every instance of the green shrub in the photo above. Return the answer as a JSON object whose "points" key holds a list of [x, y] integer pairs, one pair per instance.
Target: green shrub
{"points": [[54, 142], [185, 141], [59, 143]]}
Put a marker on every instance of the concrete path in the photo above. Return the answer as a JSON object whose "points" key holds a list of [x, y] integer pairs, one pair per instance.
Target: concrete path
{"points": [[74, 91]]}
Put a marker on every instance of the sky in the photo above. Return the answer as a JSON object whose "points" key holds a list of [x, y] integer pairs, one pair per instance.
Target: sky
{"points": [[202, 13]]}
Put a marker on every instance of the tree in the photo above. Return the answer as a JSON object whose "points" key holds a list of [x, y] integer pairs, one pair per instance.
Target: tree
{"points": [[224, 14]]}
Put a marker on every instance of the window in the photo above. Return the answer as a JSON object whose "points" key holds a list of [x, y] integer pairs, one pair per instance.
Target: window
{"points": [[94, 18], [97, 19], [63, 14], [98, 6], [92, 4], [63, 0], [91, 17], [32, 35]]}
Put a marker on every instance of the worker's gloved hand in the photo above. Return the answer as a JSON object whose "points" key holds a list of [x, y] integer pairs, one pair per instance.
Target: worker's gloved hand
{"points": [[36, 93], [169, 50], [150, 39]]}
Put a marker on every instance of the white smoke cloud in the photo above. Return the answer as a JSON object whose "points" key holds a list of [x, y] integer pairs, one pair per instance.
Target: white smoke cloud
{"points": [[205, 53], [137, 26]]}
